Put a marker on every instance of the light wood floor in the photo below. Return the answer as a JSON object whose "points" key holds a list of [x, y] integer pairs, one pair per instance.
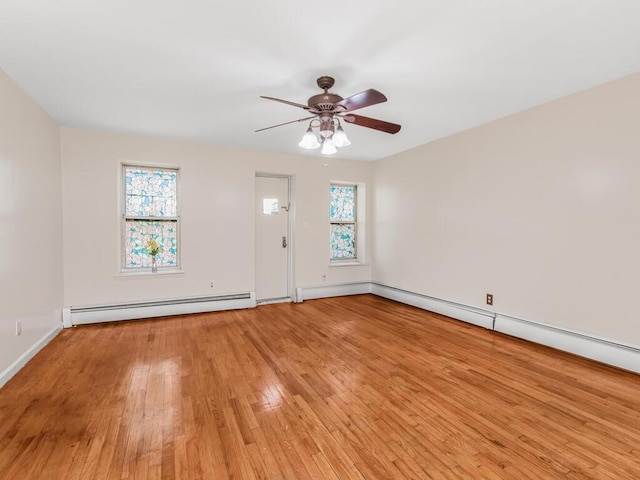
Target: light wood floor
{"points": [[349, 388]]}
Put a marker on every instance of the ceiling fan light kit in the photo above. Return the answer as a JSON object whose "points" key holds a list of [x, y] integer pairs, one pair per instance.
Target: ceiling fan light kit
{"points": [[328, 148], [309, 140], [340, 137], [330, 135], [327, 109]]}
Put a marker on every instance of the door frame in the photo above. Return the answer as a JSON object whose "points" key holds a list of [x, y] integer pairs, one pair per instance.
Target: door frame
{"points": [[290, 230]]}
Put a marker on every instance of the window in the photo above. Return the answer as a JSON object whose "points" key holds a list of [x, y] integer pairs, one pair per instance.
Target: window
{"points": [[343, 220], [150, 213], [270, 206]]}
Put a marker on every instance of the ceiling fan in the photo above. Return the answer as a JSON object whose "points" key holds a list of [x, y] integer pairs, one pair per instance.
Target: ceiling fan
{"points": [[327, 109]]}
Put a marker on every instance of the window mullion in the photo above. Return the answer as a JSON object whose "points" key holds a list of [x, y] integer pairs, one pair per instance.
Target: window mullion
{"points": [[151, 219]]}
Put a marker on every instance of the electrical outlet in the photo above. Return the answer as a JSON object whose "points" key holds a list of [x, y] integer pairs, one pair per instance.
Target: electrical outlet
{"points": [[212, 285], [489, 298], [18, 327]]}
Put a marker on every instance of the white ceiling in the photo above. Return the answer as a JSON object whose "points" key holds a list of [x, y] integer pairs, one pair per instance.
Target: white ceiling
{"points": [[194, 69]]}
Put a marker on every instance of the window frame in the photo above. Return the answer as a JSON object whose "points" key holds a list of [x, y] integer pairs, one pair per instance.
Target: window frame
{"points": [[169, 219], [354, 222]]}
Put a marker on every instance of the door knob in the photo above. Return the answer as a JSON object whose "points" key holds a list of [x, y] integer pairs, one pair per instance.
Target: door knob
{"points": [[284, 242]]}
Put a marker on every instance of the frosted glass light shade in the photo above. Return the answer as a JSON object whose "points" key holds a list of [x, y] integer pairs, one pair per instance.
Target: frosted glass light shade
{"points": [[340, 138], [328, 148], [309, 140]]}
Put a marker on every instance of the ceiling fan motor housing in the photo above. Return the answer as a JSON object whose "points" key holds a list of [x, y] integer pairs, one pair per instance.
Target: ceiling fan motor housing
{"points": [[324, 101]]}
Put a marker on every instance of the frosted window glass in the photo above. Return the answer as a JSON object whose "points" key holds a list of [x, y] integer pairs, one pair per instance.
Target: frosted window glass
{"points": [[343, 203], [139, 232], [269, 206], [343, 241], [150, 193]]}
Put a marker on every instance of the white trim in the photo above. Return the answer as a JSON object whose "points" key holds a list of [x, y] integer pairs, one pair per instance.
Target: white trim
{"points": [[146, 272], [269, 301], [603, 350], [66, 318], [611, 352], [347, 263], [12, 369], [178, 306], [335, 290], [475, 316]]}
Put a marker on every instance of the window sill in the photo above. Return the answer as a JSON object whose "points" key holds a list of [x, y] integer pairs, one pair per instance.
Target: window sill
{"points": [[348, 263], [149, 273]]}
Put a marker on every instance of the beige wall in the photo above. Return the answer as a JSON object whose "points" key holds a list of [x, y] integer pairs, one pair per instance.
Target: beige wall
{"points": [[30, 223], [541, 208], [217, 216]]}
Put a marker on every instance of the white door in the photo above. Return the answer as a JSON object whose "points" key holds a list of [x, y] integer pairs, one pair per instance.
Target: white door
{"points": [[272, 241]]}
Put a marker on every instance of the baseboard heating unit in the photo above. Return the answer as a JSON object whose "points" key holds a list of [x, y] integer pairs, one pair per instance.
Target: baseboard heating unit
{"points": [[179, 306]]}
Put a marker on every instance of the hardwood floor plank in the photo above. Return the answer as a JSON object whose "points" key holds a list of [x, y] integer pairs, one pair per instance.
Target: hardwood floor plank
{"points": [[351, 388]]}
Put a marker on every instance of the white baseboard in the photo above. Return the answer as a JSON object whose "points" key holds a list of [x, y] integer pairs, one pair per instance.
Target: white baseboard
{"points": [[475, 316], [132, 311], [12, 369], [603, 350], [325, 291], [66, 318], [270, 301]]}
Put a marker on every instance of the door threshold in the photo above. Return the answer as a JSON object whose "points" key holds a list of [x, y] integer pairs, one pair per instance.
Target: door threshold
{"points": [[266, 301]]}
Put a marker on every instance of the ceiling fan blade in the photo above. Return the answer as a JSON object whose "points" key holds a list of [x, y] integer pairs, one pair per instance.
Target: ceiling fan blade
{"points": [[286, 123], [294, 104], [360, 100], [372, 123]]}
